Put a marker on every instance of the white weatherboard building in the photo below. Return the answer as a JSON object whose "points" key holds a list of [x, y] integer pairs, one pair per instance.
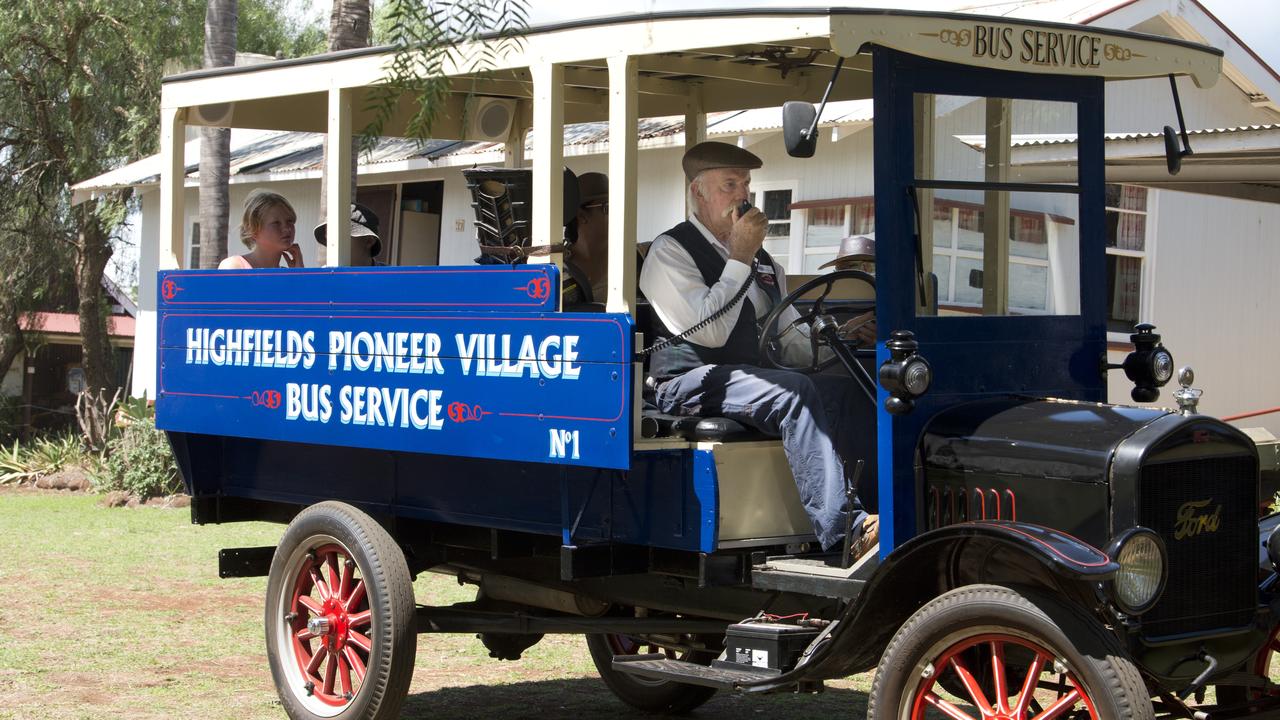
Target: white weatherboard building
{"points": [[1195, 254]]}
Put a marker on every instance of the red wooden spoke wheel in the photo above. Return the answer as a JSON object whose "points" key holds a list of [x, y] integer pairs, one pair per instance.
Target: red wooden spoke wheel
{"points": [[991, 652], [340, 617], [1262, 663], [1234, 695], [1010, 690], [331, 616]]}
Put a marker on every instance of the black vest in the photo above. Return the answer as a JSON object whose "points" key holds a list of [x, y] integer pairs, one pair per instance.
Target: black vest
{"points": [[743, 345]]}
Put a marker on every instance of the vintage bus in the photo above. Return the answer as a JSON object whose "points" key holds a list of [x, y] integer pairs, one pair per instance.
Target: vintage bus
{"points": [[1041, 554]]}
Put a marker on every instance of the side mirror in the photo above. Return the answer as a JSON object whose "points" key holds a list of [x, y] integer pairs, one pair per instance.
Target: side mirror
{"points": [[797, 121], [1172, 152]]}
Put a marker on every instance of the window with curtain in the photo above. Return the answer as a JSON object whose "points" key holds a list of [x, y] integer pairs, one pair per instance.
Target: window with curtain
{"points": [[1126, 253]]}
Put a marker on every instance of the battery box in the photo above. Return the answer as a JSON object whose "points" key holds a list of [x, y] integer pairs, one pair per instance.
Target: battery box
{"points": [[765, 646]]}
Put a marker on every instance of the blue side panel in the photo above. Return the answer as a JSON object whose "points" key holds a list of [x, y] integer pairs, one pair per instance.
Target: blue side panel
{"points": [[524, 288], [669, 499], [974, 357], [392, 367], [661, 502]]}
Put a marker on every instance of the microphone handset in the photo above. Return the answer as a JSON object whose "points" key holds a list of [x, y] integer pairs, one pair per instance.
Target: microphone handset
{"points": [[737, 298]]}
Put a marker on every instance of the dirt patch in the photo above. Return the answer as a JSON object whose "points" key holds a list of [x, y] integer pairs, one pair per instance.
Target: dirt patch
{"points": [[182, 597]]}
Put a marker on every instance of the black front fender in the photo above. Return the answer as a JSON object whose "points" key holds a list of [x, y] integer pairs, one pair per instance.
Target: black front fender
{"points": [[991, 552]]}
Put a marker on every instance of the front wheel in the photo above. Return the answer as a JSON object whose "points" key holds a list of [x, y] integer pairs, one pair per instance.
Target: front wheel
{"points": [[985, 651], [653, 696], [1268, 655], [340, 617]]}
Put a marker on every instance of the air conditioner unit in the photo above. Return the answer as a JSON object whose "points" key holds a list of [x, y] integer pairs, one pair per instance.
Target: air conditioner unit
{"points": [[214, 114], [489, 119]]}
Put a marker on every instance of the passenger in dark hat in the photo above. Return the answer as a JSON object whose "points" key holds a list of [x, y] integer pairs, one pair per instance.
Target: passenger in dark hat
{"points": [[690, 274], [364, 234], [587, 235]]}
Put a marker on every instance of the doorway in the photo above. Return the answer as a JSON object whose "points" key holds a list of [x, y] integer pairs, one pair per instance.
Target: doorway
{"points": [[418, 237]]}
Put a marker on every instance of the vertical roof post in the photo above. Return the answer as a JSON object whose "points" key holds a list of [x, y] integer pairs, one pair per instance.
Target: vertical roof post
{"points": [[338, 175], [513, 150], [924, 112], [548, 156], [173, 174], [623, 139], [995, 226], [695, 127]]}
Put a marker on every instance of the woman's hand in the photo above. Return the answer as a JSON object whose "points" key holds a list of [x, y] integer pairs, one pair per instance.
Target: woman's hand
{"points": [[293, 256]]}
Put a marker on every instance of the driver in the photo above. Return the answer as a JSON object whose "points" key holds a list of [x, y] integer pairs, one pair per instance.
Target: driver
{"points": [[694, 270]]}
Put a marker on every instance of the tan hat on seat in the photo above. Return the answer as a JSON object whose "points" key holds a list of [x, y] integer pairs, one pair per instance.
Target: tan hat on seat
{"points": [[855, 248], [711, 155]]}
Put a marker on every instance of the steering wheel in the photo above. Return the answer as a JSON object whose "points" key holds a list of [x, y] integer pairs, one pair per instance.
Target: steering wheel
{"points": [[771, 338]]}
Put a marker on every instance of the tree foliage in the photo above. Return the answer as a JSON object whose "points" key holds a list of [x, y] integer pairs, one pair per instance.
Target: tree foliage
{"points": [[428, 34], [79, 95]]}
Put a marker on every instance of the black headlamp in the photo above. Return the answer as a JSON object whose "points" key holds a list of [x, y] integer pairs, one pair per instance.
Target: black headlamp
{"points": [[906, 375], [1149, 366]]}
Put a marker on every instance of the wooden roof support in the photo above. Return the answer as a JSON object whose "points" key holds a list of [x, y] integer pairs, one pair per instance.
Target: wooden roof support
{"points": [[172, 175], [623, 160], [338, 170], [548, 157]]}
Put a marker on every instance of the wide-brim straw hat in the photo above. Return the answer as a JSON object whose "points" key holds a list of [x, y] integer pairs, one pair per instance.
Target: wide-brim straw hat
{"points": [[854, 248]]}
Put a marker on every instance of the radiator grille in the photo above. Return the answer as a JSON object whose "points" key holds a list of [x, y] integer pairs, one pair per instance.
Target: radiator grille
{"points": [[1212, 573]]}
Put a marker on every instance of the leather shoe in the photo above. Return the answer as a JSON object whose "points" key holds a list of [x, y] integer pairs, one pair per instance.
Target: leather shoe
{"points": [[869, 538]]}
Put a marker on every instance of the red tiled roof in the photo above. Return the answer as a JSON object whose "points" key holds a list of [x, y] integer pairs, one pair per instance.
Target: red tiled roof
{"points": [[69, 324]]}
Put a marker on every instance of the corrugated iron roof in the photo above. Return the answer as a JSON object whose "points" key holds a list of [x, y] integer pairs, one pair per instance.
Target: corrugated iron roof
{"points": [[256, 152], [1045, 139]]}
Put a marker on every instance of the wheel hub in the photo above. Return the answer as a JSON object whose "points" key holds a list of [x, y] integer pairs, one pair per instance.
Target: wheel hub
{"points": [[332, 625]]}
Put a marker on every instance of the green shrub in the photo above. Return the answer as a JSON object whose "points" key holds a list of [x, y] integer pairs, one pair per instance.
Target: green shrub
{"points": [[43, 456], [138, 461]]}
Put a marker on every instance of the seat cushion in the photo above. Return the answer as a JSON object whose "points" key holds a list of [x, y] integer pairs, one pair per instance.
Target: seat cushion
{"points": [[654, 424]]}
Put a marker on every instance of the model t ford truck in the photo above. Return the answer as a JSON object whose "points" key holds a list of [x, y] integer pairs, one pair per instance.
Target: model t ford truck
{"points": [[1042, 553]]}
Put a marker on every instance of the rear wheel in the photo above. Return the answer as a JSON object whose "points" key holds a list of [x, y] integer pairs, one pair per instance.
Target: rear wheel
{"points": [[655, 696], [1040, 658], [340, 617]]}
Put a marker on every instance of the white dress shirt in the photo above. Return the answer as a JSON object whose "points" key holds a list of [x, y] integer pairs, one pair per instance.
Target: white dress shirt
{"points": [[674, 286]]}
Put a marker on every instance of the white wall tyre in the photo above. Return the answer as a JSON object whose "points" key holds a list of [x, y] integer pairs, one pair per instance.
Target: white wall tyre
{"points": [[340, 617]]}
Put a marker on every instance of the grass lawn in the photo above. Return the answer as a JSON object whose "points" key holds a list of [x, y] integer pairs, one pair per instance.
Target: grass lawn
{"points": [[119, 613]]}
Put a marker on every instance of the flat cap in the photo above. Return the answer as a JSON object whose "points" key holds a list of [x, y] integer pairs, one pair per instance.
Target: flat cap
{"points": [[711, 155]]}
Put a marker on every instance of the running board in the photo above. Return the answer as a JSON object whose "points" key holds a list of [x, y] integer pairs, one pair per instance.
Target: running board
{"points": [[819, 575], [722, 676]]}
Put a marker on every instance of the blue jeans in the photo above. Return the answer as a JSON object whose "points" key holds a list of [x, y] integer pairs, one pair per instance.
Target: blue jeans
{"points": [[812, 414]]}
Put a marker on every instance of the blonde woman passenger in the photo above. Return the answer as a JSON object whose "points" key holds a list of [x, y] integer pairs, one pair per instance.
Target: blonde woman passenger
{"points": [[268, 230]]}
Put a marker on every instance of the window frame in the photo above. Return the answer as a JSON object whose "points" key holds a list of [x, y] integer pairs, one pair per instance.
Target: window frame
{"points": [[1146, 257], [758, 189], [193, 246], [954, 251]]}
